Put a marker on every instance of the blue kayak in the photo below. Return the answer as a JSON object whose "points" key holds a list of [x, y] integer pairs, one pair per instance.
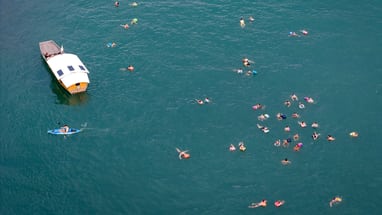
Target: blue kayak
{"points": [[58, 131]]}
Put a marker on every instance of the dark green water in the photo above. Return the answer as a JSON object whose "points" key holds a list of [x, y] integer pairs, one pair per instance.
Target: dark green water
{"points": [[125, 162]]}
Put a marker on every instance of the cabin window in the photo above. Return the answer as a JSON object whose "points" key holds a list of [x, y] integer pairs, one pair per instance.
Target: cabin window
{"points": [[81, 67], [59, 72], [70, 68]]}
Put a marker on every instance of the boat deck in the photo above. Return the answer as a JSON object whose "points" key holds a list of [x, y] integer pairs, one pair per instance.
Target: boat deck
{"points": [[49, 48]]}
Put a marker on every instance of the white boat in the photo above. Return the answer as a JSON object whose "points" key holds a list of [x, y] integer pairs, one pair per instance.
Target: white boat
{"points": [[68, 69]]}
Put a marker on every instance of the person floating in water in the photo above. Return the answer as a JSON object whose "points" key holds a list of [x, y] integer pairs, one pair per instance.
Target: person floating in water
{"points": [[315, 125], [315, 135], [330, 138], [242, 22], [263, 203], [309, 99], [302, 124], [134, 21], [301, 105], [232, 148], [297, 147], [183, 154], [353, 134], [294, 97], [277, 143], [285, 161], [242, 146], [263, 128], [335, 200], [257, 106]]}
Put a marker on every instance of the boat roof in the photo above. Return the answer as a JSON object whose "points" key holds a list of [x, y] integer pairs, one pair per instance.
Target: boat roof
{"points": [[68, 68]]}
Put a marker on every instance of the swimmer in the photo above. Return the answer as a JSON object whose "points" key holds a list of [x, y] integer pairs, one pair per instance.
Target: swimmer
{"points": [[263, 128], [251, 19], [263, 203], [287, 103], [296, 137], [330, 138], [257, 107], [304, 32], [279, 203], [302, 124], [277, 143], [130, 68], [295, 115], [232, 148], [301, 105], [241, 146], [134, 21], [285, 161], [309, 100], [65, 129], [353, 134], [315, 135], [315, 125], [111, 45], [207, 100], [287, 128], [125, 26], [242, 22], [183, 154], [239, 71], [116, 4], [199, 101], [335, 200], [293, 34], [134, 4], [294, 97]]}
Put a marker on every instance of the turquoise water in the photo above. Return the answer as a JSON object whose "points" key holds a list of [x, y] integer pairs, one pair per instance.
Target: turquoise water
{"points": [[125, 162]]}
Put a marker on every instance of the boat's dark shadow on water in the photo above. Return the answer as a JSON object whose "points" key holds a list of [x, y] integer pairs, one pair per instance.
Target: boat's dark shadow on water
{"points": [[64, 97]]}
